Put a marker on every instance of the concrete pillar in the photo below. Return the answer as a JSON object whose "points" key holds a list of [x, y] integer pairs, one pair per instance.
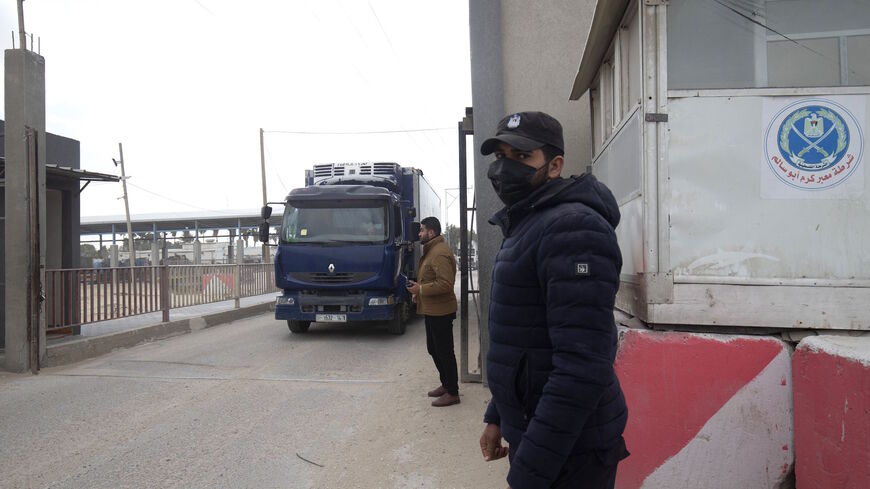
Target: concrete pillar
{"points": [[705, 410], [197, 252], [237, 276], [155, 254], [231, 257], [114, 257], [267, 259], [488, 93], [24, 107]]}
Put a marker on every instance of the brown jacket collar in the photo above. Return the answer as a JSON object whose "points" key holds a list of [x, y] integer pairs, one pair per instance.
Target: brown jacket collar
{"points": [[432, 242]]}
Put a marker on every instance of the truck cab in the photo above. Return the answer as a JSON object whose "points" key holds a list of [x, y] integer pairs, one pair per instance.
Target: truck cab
{"points": [[346, 247]]}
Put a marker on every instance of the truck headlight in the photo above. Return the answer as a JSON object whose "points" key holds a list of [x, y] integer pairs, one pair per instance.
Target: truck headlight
{"points": [[283, 300], [382, 301]]}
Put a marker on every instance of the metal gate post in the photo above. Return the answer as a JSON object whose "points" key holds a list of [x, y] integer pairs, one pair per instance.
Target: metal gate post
{"points": [[237, 285], [164, 292], [466, 127], [35, 267]]}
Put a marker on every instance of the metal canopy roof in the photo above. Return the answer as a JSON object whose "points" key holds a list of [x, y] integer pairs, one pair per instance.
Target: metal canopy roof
{"points": [[605, 21], [65, 171], [75, 173], [176, 221]]}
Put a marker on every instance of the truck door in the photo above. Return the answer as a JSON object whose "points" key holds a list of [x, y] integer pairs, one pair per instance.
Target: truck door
{"points": [[398, 237]]}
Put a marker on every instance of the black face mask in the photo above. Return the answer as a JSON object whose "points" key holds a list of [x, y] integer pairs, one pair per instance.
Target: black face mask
{"points": [[512, 180]]}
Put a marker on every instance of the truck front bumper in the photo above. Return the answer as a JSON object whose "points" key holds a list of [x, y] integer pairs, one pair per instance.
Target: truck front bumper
{"points": [[352, 307]]}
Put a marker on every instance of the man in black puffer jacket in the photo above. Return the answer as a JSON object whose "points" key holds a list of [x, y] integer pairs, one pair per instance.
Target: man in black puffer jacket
{"points": [[555, 397]]}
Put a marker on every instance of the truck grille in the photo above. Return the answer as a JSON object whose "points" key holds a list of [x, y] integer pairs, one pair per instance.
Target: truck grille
{"points": [[332, 278]]}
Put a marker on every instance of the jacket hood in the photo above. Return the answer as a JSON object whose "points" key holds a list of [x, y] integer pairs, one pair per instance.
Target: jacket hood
{"points": [[584, 189]]}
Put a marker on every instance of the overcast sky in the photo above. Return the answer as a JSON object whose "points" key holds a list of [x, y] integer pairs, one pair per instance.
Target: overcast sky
{"points": [[185, 85]]}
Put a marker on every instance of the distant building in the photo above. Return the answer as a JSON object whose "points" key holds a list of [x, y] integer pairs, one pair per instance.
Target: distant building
{"points": [[212, 252]]}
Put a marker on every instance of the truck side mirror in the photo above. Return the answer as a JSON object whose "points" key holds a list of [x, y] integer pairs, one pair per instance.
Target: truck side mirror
{"points": [[265, 212], [412, 212], [415, 231], [264, 231]]}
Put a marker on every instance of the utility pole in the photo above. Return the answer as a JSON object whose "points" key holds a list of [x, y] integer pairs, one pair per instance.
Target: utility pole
{"points": [[266, 254], [22, 36], [263, 165], [127, 208]]}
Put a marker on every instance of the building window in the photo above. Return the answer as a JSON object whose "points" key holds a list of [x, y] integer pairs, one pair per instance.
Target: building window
{"points": [[629, 49], [617, 91], [818, 59], [607, 98], [772, 43], [597, 134]]}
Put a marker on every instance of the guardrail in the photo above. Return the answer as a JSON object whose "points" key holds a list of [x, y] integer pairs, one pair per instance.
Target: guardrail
{"points": [[75, 297]]}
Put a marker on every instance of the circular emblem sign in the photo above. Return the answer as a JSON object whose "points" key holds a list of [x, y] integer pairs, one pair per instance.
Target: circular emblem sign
{"points": [[813, 144]]}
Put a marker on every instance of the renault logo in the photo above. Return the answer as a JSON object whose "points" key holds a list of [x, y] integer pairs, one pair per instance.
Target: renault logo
{"points": [[331, 268]]}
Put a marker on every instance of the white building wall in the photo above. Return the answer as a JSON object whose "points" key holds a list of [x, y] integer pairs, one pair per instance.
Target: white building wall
{"points": [[721, 222]]}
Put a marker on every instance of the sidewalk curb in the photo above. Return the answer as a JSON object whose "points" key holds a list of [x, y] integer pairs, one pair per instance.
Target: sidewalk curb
{"points": [[82, 349]]}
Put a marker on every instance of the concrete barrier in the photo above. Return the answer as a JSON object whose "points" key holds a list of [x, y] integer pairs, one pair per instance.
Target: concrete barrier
{"points": [[705, 410], [832, 412]]}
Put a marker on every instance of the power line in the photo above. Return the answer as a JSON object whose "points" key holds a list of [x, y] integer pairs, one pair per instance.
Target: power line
{"points": [[170, 199], [340, 133], [762, 24], [383, 31], [203, 7], [269, 153], [768, 28]]}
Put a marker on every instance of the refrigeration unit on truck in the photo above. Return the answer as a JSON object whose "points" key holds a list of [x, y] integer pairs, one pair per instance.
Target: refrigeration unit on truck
{"points": [[347, 244]]}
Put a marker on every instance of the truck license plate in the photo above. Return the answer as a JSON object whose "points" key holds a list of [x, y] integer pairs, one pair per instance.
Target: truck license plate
{"points": [[331, 318]]}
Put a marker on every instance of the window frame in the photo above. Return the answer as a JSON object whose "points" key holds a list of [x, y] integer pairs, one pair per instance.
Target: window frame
{"points": [[843, 43], [610, 91]]}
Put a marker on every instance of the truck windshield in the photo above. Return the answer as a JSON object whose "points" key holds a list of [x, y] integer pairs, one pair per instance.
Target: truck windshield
{"points": [[347, 222]]}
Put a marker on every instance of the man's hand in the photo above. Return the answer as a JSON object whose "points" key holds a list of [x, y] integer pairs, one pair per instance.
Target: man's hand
{"points": [[414, 298], [490, 443], [413, 287]]}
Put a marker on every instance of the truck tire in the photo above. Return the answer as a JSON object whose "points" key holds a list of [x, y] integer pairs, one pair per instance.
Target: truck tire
{"points": [[396, 325], [298, 326]]}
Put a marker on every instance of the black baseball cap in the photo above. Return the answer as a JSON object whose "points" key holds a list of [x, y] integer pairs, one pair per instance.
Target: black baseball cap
{"points": [[526, 131]]}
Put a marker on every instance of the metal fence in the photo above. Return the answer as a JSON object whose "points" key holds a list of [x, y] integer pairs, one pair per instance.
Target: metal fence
{"points": [[88, 295]]}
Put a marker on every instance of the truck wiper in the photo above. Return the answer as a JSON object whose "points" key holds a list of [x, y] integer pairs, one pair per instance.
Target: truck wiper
{"points": [[321, 242]]}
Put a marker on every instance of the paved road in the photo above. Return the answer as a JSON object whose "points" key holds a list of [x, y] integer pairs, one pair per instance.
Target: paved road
{"points": [[241, 405]]}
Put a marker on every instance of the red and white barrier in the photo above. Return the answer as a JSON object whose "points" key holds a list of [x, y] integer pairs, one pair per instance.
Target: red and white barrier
{"points": [[832, 412], [705, 410]]}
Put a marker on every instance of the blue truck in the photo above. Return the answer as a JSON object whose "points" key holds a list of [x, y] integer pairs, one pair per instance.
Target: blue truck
{"points": [[348, 244]]}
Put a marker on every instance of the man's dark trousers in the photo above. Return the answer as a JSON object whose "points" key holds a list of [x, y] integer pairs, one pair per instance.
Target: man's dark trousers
{"points": [[439, 343]]}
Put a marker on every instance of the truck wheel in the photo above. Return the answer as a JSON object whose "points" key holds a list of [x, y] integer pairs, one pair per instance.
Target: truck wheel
{"points": [[298, 326], [397, 324]]}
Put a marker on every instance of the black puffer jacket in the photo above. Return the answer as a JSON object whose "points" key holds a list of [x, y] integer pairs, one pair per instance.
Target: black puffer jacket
{"points": [[552, 335]]}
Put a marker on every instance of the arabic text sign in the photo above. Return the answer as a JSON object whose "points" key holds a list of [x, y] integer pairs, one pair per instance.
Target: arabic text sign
{"points": [[813, 147]]}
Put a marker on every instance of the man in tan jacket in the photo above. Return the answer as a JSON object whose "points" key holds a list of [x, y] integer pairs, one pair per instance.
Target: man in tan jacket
{"points": [[437, 303]]}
